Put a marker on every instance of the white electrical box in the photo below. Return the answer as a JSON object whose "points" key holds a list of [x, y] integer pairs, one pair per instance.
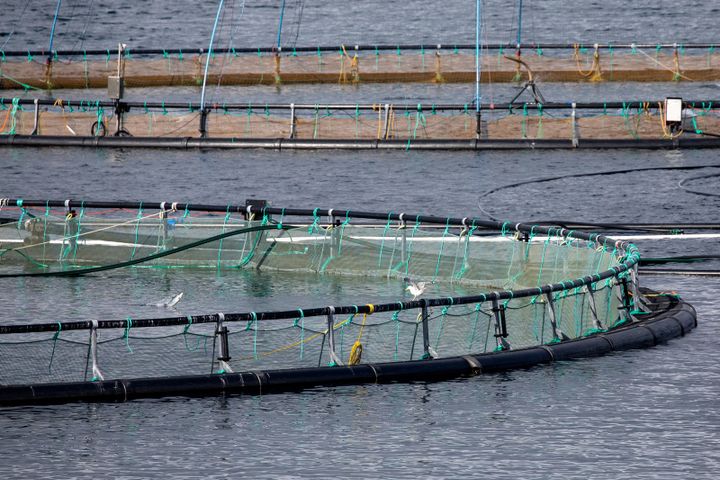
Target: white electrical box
{"points": [[673, 111]]}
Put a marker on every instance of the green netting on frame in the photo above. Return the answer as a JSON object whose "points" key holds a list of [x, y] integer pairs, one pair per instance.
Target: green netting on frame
{"points": [[508, 286]]}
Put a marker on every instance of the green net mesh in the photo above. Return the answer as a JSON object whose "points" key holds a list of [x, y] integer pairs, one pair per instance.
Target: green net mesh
{"points": [[451, 258]]}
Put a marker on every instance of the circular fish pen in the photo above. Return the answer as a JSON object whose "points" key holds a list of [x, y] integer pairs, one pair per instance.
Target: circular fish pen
{"points": [[473, 296]]}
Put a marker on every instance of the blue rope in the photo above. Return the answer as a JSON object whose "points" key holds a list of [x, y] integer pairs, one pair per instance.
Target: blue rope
{"points": [[207, 61]]}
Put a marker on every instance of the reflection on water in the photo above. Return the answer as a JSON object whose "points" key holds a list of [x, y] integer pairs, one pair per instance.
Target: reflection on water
{"points": [[639, 414]]}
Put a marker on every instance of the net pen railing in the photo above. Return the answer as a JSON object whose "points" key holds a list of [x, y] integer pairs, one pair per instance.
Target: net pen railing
{"points": [[150, 67], [642, 119], [530, 285]]}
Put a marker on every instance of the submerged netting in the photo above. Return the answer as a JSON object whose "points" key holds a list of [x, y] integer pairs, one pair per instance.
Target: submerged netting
{"points": [[530, 285], [349, 64]]}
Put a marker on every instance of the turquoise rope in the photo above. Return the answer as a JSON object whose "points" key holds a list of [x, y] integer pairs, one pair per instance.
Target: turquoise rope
{"points": [[220, 244], [382, 242], [126, 335], [137, 230], [52, 354], [301, 319], [442, 245]]}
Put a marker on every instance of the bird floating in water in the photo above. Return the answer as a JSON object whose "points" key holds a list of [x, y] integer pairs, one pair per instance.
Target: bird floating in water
{"points": [[172, 302]]}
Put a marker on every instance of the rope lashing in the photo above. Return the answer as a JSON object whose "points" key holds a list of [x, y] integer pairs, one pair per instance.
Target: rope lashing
{"points": [[357, 348], [595, 72]]}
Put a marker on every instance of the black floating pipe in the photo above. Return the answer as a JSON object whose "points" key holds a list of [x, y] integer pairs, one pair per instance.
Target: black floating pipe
{"points": [[429, 107], [669, 318], [352, 144], [359, 48]]}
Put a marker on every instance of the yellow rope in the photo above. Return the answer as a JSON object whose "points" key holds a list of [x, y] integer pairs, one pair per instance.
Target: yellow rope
{"points": [[676, 60], [518, 73], [7, 116], [278, 78], [357, 348], [303, 341], [354, 66], [595, 72]]}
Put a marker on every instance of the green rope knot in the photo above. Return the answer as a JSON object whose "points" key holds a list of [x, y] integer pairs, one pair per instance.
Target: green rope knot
{"points": [[297, 320], [189, 324], [316, 220], [126, 335], [282, 215], [253, 319]]}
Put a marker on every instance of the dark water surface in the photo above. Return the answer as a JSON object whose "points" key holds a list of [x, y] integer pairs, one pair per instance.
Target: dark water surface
{"points": [[649, 414], [639, 414], [184, 23]]}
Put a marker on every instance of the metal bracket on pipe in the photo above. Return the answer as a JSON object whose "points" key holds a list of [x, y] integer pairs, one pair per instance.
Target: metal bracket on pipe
{"points": [[203, 122], [37, 117], [403, 245], [293, 121], [96, 373], [501, 333], [334, 359], [386, 128], [634, 285], [558, 335], [222, 335], [429, 353], [593, 309], [573, 118]]}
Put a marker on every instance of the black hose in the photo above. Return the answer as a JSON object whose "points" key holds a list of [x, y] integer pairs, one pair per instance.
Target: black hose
{"points": [[682, 183], [578, 175], [85, 271]]}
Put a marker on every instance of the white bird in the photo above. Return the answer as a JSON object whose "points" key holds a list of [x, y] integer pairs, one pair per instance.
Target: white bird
{"points": [[416, 289], [172, 302]]}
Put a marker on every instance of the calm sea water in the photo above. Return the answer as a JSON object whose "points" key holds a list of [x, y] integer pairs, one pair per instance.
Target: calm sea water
{"points": [[649, 414]]}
